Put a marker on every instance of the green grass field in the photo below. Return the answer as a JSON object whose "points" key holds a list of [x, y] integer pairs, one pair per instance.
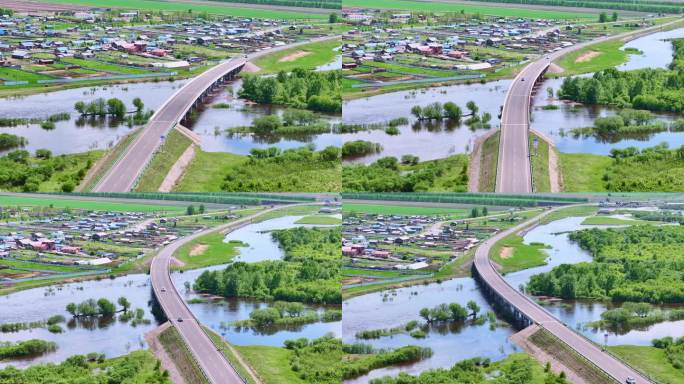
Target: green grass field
{"points": [[467, 8], [540, 164], [603, 220], [174, 145], [319, 220], [651, 360], [208, 250], [313, 55], [489, 157], [514, 255], [99, 205], [603, 55], [370, 272], [582, 172], [236, 9], [271, 363], [401, 210], [44, 267]]}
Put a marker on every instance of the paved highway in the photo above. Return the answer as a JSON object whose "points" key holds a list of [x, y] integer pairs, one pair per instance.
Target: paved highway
{"points": [[514, 172], [122, 176], [488, 272], [212, 362]]}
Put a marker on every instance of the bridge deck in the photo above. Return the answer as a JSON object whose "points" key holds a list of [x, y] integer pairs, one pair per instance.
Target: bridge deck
{"points": [[490, 276]]}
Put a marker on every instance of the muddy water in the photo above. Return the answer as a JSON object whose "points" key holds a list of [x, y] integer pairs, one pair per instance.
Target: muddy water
{"points": [[576, 313], [115, 338], [656, 53], [426, 140], [449, 344]]}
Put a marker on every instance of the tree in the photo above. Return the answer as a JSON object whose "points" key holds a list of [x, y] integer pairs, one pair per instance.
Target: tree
{"points": [[615, 16], [417, 111], [190, 210], [333, 18], [80, 107], [474, 308], [105, 307], [485, 211], [201, 209], [124, 303], [71, 308], [139, 105], [453, 111], [458, 313], [603, 17], [474, 212], [472, 107], [426, 314], [116, 108]]}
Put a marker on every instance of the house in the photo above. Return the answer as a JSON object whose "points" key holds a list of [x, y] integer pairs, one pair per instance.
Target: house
{"points": [[21, 54], [381, 254]]}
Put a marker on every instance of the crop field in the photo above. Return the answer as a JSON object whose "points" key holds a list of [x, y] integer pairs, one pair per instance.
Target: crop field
{"points": [[12, 200], [329, 4], [237, 9], [467, 8]]}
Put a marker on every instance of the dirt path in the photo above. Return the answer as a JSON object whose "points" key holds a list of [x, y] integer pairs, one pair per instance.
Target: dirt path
{"points": [[198, 249], [506, 252], [152, 338], [521, 339], [178, 169], [252, 373], [251, 67], [293, 56], [586, 56]]}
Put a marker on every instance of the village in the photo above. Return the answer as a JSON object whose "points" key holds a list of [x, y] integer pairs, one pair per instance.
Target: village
{"points": [[73, 243], [403, 48], [67, 47], [410, 243]]}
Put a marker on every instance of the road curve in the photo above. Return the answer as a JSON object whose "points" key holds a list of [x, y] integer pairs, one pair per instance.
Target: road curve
{"points": [[211, 360], [489, 274], [121, 177], [514, 171]]}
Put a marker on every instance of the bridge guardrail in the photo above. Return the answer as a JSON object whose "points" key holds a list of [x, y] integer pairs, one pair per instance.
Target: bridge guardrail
{"points": [[527, 298]]}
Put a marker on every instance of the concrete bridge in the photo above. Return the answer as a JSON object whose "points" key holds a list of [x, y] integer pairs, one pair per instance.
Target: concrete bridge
{"points": [[122, 176], [523, 311], [514, 171]]}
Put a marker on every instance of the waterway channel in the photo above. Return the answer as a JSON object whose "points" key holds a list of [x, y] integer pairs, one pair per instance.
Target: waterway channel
{"points": [[114, 338]]}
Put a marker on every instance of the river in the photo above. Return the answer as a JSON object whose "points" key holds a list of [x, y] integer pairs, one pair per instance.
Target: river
{"points": [[115, 338], [440, 140]]}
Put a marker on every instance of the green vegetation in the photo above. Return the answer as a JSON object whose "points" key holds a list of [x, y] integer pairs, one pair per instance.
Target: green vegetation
{"points": [[569, 358], [595, 58], [136, 367], [512, 254], [308, 56], [359, 148], [659, 90], [309, 272], [300, 88], [271, 363], [582, 172], [389, 175], [516, 368], [631, 315], [604, 220], [300, 169], [179, 353], [524, 200], [8, 141], [539, 157], [287, 314], [95, 205], [489, 158], [206, 250], [32, 347], [466, 8], [653, 361], [402, 210], [319, 220], [166, 156], [641, 263], [210, 8]]}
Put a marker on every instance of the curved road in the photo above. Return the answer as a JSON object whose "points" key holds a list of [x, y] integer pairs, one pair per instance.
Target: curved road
{"points": [[211, 360], [121, 177], [489, 274], [514, 172]]}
